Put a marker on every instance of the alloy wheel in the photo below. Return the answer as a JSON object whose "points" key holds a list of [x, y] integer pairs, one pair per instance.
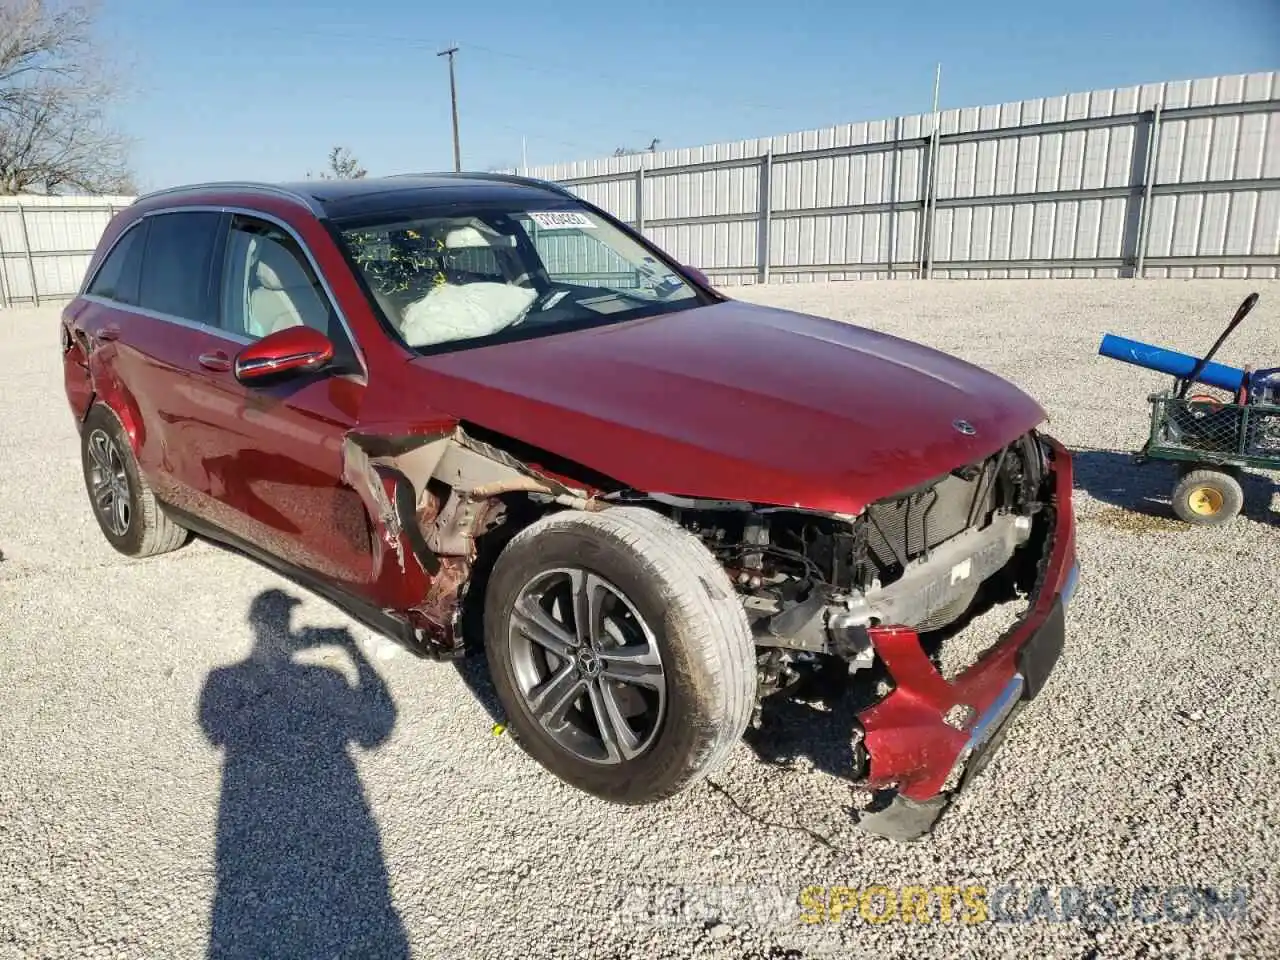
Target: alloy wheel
{"points": [[109, 484], [587, 665]]}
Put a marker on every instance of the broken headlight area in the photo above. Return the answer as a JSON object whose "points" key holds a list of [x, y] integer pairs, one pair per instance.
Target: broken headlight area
{"points": [[935, 558], [947, 570]]}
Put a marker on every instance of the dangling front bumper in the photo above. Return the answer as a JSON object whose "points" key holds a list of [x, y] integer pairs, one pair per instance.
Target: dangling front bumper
{"points": [[927, 738]]}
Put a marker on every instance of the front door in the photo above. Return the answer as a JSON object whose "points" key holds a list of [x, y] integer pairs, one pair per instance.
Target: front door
{"points": [[272, 459]]}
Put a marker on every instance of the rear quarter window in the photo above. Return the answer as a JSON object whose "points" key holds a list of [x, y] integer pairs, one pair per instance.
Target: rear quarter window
{"points": [[117, 278]]}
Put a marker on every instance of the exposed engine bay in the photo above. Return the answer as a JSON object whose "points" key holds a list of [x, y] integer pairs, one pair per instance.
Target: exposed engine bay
{"points": [[814, 583]]}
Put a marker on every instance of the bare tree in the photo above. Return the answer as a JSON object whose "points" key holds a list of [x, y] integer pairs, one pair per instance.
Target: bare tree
{"points": [[343, 165], [54, 91]]}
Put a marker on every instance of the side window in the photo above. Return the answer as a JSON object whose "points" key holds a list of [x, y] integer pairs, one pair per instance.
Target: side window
{"points": [[175, 271], [268, 284], [117, 278]]}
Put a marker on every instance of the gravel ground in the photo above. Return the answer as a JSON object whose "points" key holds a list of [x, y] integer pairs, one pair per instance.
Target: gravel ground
{"points": [[1150, 761]]}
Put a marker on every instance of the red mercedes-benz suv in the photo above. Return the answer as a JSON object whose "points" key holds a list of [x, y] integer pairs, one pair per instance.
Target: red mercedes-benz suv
{"points": [[479, 413]]}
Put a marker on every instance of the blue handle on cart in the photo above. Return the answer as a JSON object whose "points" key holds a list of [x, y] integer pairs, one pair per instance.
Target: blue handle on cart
{"points": [[1169, 361]]}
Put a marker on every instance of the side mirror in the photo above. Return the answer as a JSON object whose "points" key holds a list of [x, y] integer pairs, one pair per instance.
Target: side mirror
{"points": [[293, 350], [697, 275]]}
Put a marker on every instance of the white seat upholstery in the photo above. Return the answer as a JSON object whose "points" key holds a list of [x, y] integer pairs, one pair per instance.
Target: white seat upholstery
{"points": [[282, 293]]}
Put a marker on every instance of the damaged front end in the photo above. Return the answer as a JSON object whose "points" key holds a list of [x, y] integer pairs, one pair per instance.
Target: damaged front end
{"points": [[875, 599], [432, 497], [871, 600]]}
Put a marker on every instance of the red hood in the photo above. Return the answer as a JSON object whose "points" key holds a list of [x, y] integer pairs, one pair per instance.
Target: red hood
{"points": [[738, 402]]}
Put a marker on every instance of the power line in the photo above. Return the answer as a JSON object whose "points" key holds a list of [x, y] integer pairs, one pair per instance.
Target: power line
{"points": [[630, 84], [618, 82], [353, 38]]}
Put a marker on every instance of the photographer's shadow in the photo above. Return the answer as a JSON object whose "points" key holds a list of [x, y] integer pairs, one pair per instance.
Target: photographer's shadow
{"points": [[300, 871]]}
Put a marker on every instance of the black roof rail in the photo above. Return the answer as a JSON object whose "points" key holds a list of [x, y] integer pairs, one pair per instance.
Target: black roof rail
{"points": [[248, 185], [511, 178]]}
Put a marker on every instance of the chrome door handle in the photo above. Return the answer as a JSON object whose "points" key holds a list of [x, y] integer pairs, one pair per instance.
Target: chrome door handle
{"points": [[215, 361]]}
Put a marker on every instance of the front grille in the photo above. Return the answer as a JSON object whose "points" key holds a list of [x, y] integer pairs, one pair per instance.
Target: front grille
{"points": [[903, 529]]}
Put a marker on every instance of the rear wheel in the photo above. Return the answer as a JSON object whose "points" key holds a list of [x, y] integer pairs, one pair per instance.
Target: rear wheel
{"points": [[126, 510], [1207, 498], [620, 651]]}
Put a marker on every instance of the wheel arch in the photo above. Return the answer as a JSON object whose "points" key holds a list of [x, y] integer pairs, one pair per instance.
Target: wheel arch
{"points": [[446, 501], [108, 391], [679, 588]]}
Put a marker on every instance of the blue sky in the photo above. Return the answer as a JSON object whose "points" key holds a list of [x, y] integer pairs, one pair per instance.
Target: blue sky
{"points": [[233, 89]]}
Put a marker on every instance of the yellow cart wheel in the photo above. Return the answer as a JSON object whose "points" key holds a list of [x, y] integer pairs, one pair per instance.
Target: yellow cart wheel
{"points": [[1207, 498]]}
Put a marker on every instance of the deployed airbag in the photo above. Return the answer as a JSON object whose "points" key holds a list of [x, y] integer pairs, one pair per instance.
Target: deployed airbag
{"points": [[451, 312]]}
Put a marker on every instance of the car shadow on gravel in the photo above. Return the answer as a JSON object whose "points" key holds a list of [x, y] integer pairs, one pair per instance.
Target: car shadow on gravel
{"points": [[299, 864], [473, 670], [1113, 478], [814, 726]]}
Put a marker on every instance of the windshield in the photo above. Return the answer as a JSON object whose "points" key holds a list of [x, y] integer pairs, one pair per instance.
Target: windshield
{"points": [[494, 274]]}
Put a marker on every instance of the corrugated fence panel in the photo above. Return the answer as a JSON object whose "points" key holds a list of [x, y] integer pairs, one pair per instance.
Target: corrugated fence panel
{"points": [[709, 193], [49, 240], [11, 231], [52, 231], [616, 196], [713, 246], [1053, 186]]}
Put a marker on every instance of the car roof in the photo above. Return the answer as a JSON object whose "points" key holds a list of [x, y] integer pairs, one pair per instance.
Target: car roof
{"points": [[340, 199]]}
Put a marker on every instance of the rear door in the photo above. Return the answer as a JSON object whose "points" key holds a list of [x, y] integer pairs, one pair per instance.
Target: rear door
{"points": [[176, 301], [154, 306]]}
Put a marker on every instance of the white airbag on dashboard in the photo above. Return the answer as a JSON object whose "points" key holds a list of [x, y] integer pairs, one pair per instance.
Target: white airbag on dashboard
{"points": [[451, 312]]}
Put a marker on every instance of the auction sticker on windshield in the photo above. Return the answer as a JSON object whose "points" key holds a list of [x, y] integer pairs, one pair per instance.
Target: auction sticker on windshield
{"points": [[562, 220]]}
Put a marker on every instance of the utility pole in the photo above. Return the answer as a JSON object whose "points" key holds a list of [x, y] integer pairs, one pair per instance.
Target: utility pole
{"points": [[453, 96], [931, 187]]}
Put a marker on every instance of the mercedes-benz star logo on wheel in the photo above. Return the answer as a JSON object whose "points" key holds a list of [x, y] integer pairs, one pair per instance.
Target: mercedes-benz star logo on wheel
{"points": [[965, 427], [589, 665]]}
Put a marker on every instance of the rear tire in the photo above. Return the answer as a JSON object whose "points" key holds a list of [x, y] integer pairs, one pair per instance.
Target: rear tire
{"points": [[661, 600], [127, 512], [1207, 498]]}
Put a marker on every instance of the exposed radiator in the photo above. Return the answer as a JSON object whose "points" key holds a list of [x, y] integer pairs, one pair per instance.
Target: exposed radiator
{"points": [[902, 529]]}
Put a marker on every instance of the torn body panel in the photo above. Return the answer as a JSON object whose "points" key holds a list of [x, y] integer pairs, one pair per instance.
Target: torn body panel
{"points": [[814, 582], [928, 736], [430, 496], [868, 596], [820, 589]]}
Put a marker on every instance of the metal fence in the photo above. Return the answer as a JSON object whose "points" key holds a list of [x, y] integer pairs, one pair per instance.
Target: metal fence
{"points": [[1178, 179], [46, 244]]}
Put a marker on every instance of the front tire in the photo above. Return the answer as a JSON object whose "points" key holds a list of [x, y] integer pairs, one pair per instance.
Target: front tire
{"points": [[127, 512], [620, 652]]}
